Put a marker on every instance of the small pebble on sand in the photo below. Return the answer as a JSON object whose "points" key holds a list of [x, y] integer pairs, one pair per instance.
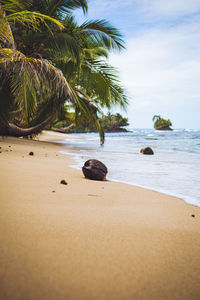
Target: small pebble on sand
{"points": [[63, 182]]}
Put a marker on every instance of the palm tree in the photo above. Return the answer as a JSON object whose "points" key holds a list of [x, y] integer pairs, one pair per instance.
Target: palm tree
{"points": [[22, 77], [155, 118], [93, 83]]}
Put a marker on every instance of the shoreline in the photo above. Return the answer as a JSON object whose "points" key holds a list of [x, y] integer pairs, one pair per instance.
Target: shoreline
{"points": [[79, 162], [89, 239], [186, 199], [77, 166]]}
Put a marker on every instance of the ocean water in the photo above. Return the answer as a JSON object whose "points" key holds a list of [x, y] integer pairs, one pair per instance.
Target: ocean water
{"points": [[174, 168]]}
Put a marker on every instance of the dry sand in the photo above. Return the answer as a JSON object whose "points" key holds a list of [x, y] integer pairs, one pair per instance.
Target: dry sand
{"points": [[89, 240]]}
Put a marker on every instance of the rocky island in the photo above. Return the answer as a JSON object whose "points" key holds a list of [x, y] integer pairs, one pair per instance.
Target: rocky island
{"points": [[161, 124]]}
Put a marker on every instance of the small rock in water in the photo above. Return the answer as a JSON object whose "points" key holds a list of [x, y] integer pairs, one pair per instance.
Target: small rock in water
{"points": [[63, 182], [31, 153], [147, 151], [94, 169]]}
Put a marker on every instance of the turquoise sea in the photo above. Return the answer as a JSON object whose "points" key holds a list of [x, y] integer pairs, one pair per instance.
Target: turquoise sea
{"points": [[174, 168]]}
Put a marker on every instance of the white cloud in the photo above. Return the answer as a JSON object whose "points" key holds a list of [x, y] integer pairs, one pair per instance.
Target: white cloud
{"points": [[169, 7], [161, 71], [148, 7]]}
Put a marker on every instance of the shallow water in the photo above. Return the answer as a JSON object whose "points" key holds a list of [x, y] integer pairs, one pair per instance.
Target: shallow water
{"points": [[173, 169]]}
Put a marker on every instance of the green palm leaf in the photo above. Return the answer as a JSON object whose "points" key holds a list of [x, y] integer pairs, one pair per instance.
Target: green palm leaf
{"points": [[64, 46], [101, 32], [33, 20], [88, 110], [12, 6], [101, 80], [6, 36], [61, 7], [30, 75]]}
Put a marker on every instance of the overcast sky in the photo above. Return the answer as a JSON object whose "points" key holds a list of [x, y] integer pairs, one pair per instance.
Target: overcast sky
{"points": [[160, 67]]}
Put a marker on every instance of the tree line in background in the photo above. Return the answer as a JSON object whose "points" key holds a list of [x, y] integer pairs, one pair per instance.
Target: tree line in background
{"points": [[51, 67], [109, 123]]}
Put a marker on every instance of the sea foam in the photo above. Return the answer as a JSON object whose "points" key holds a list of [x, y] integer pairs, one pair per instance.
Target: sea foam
{"points": [[174, 169]]}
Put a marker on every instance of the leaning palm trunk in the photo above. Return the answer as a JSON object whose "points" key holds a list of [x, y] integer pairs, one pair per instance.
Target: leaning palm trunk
{"points": [[14, 130], [64, 129]]}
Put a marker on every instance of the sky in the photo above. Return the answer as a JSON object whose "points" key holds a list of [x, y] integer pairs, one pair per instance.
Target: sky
{"points": [[160, 68]]}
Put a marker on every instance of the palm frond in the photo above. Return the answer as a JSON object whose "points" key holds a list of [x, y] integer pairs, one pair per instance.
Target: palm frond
{"points": [[33, 20], [12, 6], [31, 78], [100, 79], [89, 110], [64, 46], [24, 90], [95, 52], [6, 103], [44, 109], [6, 36], [10, 53], [61, 7], [103, 33]]}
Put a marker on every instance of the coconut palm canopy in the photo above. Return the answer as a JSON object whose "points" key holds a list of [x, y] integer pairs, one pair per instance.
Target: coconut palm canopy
{"points": [[47, 60]]}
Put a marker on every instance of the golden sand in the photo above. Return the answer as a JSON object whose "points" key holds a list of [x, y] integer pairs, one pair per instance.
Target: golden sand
{"points": [[89, 240]]}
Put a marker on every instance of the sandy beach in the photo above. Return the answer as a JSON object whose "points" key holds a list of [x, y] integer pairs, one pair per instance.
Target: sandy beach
{"points": [[88, 239]]}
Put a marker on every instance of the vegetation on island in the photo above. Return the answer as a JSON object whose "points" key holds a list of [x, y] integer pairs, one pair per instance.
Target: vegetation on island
{"points": [[114, 122], [49, 63], [161, 124], [109, 123]]}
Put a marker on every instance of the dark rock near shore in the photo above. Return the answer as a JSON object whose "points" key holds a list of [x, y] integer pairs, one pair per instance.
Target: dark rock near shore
{"points": [[95, 170], [64, 182], [147, 151]]}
